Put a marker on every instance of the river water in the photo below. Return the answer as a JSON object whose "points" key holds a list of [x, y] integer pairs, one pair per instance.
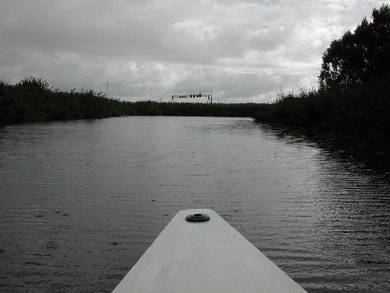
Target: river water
{"points": [[80, 201]]}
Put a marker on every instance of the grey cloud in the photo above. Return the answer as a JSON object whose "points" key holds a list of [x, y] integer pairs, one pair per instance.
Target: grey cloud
{"points": [[245, 50]]}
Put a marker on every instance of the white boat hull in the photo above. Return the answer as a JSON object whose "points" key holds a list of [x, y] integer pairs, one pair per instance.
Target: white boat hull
{"points": [[206, 256]]}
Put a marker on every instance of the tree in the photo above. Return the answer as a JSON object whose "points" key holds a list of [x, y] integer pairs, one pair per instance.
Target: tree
{"points": [[359, 56]]}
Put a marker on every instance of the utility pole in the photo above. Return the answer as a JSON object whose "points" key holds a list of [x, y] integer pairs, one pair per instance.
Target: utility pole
{"points": [[107, 89]]}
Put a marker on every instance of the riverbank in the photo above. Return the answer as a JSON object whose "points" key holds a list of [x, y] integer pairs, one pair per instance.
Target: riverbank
{"points": [[355, 119], [32, 100]]}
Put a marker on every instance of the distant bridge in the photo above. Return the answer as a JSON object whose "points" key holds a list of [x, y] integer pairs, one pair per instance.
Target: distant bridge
{"points": [[193, 98]]}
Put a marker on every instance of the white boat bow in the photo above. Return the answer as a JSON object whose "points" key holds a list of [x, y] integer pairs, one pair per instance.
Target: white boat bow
{"points": [[209, 256]]}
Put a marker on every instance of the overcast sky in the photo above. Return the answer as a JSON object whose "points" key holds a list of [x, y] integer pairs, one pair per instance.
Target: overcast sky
{"points": [[246, 51]]}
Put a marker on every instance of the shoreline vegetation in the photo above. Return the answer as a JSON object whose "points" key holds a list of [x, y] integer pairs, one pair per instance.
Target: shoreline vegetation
{"points": [[32, 100], [355, 119]]}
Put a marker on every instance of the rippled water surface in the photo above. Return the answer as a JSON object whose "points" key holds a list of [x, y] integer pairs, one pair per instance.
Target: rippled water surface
{"points": [[80, 201]]}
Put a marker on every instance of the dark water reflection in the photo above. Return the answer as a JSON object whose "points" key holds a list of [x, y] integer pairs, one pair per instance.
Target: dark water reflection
{"points": [[357, 154], [81, 201]]}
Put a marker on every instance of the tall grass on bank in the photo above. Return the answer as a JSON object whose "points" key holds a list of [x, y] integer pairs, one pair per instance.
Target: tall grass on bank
{"points": [[32, 100], [356, 117]]}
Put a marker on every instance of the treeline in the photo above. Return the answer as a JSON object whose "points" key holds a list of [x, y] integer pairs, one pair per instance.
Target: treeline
{"points": [[33, 100], [352, 104], [360, 56]]}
